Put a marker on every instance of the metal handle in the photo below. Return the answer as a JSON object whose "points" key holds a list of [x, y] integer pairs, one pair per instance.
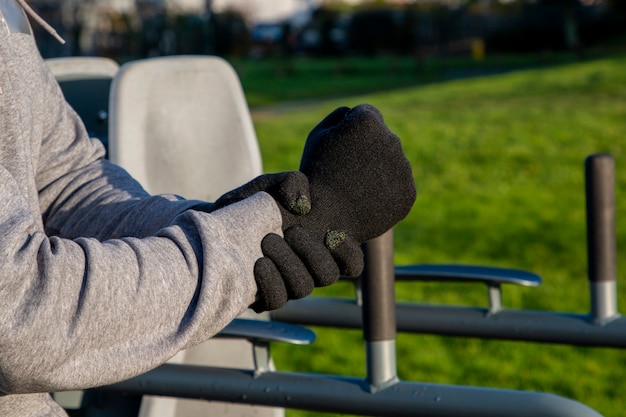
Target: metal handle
{"points": [[379, 312], [601, 246]]}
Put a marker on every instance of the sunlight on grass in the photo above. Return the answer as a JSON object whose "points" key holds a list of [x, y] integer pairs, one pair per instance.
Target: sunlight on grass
{"points": [[498, 163]]}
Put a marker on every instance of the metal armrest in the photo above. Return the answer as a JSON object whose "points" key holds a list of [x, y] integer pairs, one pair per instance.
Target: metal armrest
{"points": [[493, 277], [466, 273], [260, 333], [268, 331]]}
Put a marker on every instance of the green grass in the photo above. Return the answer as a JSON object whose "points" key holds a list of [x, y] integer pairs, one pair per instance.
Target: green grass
{"points": [[498, 163], [268, 82]]}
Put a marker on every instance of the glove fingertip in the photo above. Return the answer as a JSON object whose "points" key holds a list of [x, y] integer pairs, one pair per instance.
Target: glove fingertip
{"points": [[334, 238], [348, 255], [294, 193], [301, 205], [271, 290]]}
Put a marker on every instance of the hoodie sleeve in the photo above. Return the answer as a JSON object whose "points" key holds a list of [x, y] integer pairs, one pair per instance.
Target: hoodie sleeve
{"points": [[122, 280], [81, 313], [81, 194]]}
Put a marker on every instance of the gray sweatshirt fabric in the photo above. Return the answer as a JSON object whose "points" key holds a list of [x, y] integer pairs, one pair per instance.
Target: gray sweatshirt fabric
{"points": [[100, 281]]}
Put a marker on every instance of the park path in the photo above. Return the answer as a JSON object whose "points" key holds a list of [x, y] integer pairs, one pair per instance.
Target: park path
{"points": [[271, 110]]}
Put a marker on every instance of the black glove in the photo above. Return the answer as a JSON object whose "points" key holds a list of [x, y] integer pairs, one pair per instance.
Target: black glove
{"points": [[292, 266], [289, 189], [361, 183]]}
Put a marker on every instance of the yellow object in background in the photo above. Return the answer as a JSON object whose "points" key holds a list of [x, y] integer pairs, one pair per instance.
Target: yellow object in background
{"points": [[478, 49]]}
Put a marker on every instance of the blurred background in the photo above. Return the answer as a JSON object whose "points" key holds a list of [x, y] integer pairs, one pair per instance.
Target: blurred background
{"points": [[497, 103], [126, 29]]}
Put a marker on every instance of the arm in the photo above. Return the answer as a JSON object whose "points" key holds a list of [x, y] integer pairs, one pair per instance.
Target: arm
{"points": [[82, 194], [84, 313], [79, 310]]}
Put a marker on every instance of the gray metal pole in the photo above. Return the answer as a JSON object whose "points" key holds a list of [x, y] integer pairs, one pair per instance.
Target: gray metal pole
{"points": [[379, 312], [601, 246]]}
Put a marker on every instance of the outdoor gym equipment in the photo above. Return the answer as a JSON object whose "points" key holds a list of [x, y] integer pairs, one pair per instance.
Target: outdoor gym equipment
{"points": [[381, 393], [602, 327]]}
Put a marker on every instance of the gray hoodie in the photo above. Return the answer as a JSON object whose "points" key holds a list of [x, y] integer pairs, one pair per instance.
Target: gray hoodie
{"points": [[99, 281]]}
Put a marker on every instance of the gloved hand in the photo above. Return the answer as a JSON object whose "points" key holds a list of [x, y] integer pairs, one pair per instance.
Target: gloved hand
{"points": [[292, 266], [289, 189], [361, 183]]}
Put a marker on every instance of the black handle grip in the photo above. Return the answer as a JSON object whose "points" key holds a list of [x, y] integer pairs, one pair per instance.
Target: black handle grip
{"points": [[378, 289], [600, 193]]}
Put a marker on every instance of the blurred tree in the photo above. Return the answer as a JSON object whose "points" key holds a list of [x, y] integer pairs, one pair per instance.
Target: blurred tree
{"points": [[372, 31], [153, 17], [320, 36], [232, 35], [570, 21], [617, 9]]}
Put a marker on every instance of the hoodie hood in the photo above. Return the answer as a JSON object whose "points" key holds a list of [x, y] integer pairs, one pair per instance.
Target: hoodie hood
{"points": [[13, 19]]}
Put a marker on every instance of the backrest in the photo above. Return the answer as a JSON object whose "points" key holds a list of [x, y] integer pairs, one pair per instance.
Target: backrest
{"points": [[82, 68], [181, 125], [86, 82]]}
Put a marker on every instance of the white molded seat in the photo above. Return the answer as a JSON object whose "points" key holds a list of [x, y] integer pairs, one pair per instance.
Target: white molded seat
{"points": [[181, 125], [77, 68]]}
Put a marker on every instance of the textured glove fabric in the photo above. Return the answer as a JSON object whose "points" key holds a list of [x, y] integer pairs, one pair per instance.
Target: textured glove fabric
{"points": [[354, 184], [292, 266], [296, 263], [289, 189], [361, 183]]}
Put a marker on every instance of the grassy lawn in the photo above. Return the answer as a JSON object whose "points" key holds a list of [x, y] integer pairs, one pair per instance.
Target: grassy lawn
{"points": [[498, 162], [288, 79], [279, 80]]}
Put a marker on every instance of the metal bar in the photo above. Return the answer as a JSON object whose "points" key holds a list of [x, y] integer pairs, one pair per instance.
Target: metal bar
{"points": [[345, 394], [378, 289], [601, 240], [466, 273], [267, 331], [507, 324], [494, 292], [379, 329]]}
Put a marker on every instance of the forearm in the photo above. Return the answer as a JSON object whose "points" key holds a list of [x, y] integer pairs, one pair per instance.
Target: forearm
{"points": [[101, 200], [81, 194], [84, 313]]}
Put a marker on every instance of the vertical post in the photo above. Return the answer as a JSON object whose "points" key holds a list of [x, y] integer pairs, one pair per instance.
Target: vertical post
{"points": [[601, 246], [379, 312]]}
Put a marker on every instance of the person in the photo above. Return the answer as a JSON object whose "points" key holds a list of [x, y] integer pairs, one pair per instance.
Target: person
{"points": [[101, 281]]}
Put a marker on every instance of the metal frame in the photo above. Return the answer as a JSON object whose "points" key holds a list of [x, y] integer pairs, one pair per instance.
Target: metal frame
{"points": [[601, 327], [381, 393], [346, 395]]}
